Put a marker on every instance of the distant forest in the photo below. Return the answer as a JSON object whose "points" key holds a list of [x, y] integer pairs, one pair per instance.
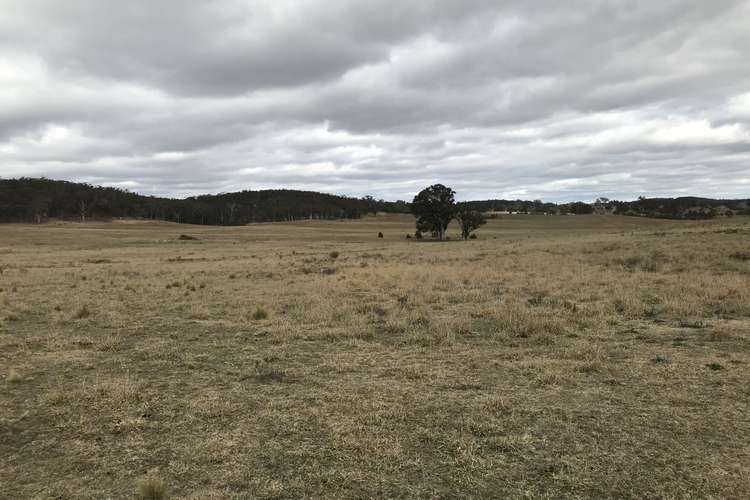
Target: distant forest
{"points": [[687, 207], [38, 200]]}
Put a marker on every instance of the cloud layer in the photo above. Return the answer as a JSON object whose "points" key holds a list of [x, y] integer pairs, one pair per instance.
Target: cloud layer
{"points": [[499, 99]]}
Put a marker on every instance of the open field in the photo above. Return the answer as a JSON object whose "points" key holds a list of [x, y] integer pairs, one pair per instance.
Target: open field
{"points": [[553, 357]]}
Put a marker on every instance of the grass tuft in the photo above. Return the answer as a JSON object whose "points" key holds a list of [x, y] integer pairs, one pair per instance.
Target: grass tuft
{"points": [[13, 377], [152, 488]]}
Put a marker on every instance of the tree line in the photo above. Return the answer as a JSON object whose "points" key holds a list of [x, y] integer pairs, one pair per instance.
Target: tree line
{"points": [[37, 200]]}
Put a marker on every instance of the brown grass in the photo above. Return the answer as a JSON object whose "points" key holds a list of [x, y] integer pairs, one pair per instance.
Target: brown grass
{"points": [[557, 357]]}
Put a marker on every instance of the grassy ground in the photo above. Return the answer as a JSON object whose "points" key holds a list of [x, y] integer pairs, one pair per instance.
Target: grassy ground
{"points": [[552, 357]]}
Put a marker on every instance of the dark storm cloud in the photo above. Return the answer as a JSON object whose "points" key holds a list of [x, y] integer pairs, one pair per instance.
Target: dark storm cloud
{"points": [[558, 100]]}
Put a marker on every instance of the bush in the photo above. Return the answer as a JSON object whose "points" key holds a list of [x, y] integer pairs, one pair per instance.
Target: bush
{"points": [[187, 237], [259, 314], [408, 236], [13, 377], [418, 234], [82, 312], [380, 235], [472, 236], [333, 255]]}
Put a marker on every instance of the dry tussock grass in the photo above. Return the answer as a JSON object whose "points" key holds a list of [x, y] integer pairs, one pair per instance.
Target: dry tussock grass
{"points": [[552, 357]]}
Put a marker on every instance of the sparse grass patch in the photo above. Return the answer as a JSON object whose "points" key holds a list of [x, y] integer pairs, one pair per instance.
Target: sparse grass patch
{"points": [[266, 372], [692, 323], [720, 334], [518, 321], [589, 367], [514, 443]]}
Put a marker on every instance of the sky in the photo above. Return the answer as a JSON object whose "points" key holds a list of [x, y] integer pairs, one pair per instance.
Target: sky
{"points": [[545, 99]]}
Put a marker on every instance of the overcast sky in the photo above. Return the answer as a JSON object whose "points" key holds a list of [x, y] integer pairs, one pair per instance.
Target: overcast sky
{"points": [[559, 100]]}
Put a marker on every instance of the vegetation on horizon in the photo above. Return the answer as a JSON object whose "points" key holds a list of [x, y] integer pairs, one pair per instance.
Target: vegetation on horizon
{"points": [[38, 200], [435, 207]]}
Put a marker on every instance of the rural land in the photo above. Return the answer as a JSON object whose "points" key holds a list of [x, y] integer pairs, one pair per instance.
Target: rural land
{"points": [[594, 355], [374, 249]]}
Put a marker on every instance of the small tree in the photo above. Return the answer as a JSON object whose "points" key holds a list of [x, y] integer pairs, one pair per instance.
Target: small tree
{"points": [[469, 220], [434, 207]]}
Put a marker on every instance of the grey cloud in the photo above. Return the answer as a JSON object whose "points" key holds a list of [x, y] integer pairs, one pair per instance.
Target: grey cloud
{"points": [[558, 100]]}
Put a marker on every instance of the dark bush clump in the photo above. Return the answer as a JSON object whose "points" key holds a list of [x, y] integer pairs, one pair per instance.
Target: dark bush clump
{"points": [[259, 314], [741, 256]]}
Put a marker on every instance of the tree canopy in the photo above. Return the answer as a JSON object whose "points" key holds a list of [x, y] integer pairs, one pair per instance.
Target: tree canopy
{"points": [[469, 220], [434, 207]]}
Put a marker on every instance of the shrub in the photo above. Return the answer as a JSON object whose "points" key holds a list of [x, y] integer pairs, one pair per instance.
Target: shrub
{"points": [[472, 236], [82, 312], [187, 237], [380, 235], [259, 314], [333, 255], [408, 236], [13, 377], [418, 234]]}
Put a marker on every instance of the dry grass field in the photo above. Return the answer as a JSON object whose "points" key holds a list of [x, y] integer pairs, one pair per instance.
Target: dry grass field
{"points": [[553, 357]]}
